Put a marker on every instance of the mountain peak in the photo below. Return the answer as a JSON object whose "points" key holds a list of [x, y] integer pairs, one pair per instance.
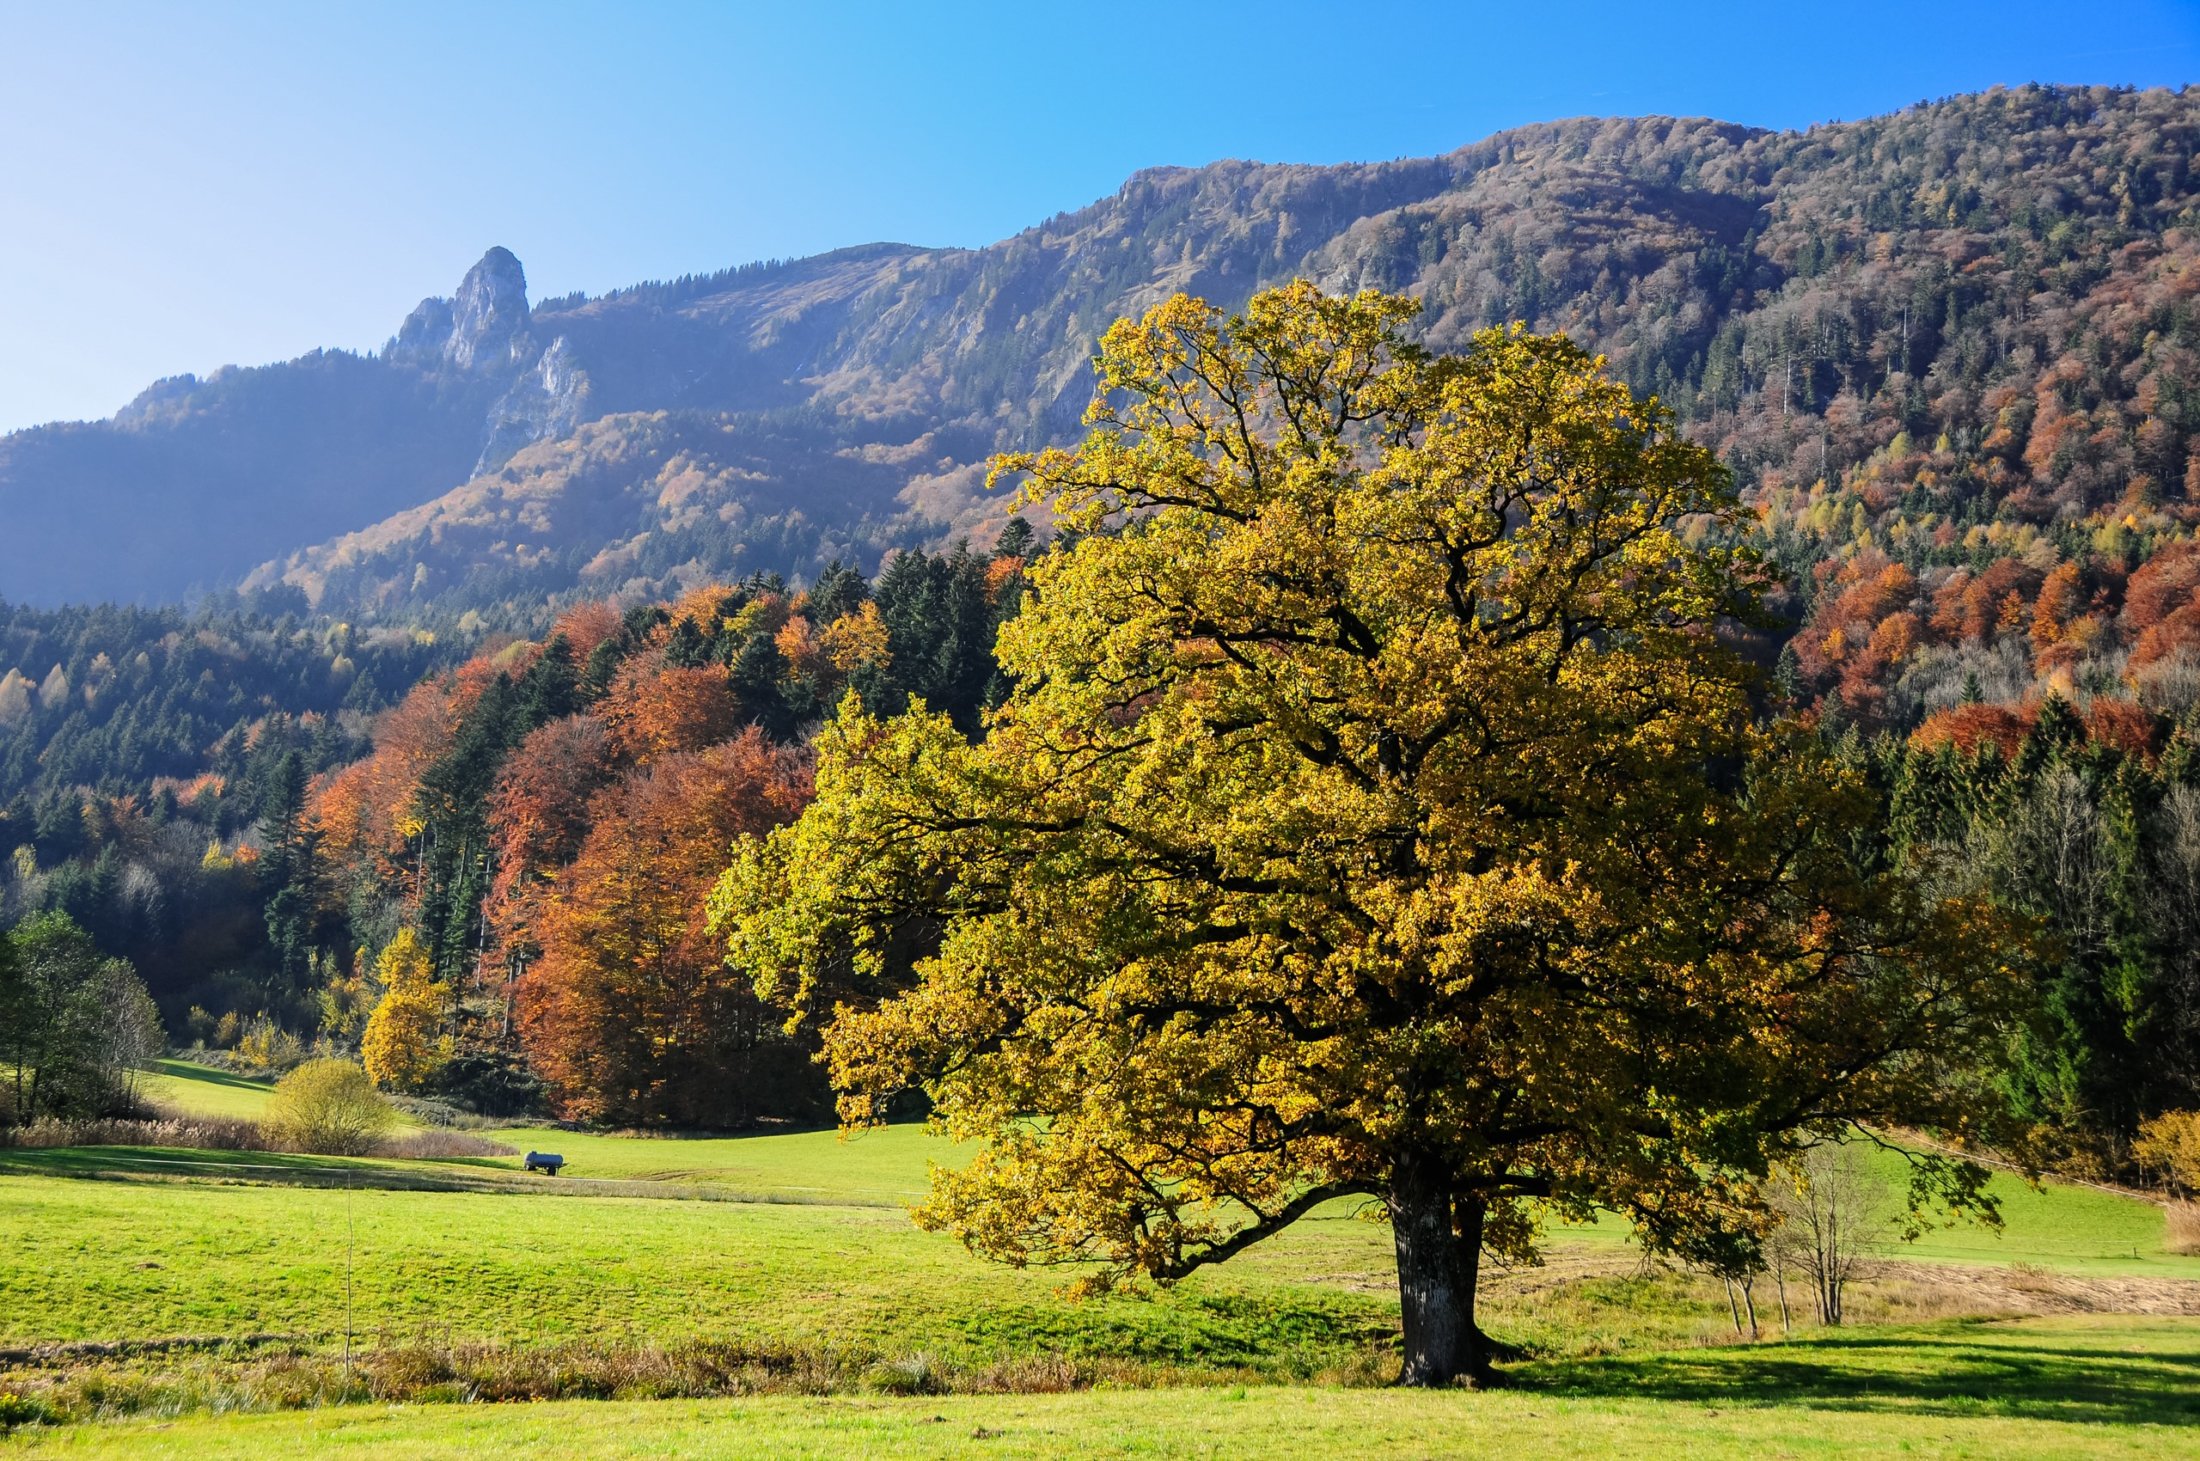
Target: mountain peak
{"points": [[489, 314], [483, 327]]}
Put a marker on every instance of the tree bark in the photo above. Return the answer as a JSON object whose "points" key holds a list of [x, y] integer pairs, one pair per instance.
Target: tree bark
{"points": [[1437, 1268]]}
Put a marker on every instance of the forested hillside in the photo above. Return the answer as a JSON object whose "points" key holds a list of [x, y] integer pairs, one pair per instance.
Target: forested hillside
{"points": [[142, 750], [509, 877], [1950, 356], [1953, 337], [1947, 338], [1928, 345]]}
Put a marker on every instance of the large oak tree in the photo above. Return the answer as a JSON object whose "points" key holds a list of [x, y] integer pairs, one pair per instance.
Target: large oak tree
{"points": [[1378, 813]]}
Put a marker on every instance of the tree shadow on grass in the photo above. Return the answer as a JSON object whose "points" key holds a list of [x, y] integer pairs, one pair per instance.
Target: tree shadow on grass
{"points": [[495, 1176], [2004, 1372], [189, 1163], [211, 1076]]}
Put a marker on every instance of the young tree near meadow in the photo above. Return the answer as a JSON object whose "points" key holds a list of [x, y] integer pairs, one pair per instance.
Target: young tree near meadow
{"points": [[1833, 1222], [1377, 813], [75, 1025], [401, 1047]]}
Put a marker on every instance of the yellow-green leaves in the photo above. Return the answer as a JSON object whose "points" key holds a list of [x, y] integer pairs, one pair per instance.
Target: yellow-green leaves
{"points": [[1375, 789]]}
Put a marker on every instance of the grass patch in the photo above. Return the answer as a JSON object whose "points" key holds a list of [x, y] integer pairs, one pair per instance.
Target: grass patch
{"points": [[2059, 1225], [205, 1090], [885, 1167], [189, 1282], [209, 1243], [110, 1260], [2033, 1389], [2068, 1227], [2090, 1370]]}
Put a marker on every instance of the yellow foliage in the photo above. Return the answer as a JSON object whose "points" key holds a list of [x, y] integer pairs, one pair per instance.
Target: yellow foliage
{"points": [[1349, 831], [857, 638], [401, 1048], [2170, 1145], [797, 644], [330, 1107]]}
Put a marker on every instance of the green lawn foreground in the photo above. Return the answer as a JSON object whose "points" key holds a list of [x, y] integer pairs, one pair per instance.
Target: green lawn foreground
{"points": [[804, 1244], [2061, 1225], [836, 1261], [103, 1260], [2035, 1388], [818, 1250]]}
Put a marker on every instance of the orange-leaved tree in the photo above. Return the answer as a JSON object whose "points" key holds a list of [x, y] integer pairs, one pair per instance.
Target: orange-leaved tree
{"points": [[538, 818], [630, 1012]]}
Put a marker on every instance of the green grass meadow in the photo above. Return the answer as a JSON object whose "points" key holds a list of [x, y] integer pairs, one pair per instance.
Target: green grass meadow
{"points": [[2041, 1388], [206, 1274], [203, 1090]]}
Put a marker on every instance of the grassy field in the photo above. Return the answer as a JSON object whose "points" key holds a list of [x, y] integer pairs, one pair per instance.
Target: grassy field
{"points": [[794, 1253], [2040, 1388], [203, 1090], [87, 1260], [2060, 1225], [829, 1256]]}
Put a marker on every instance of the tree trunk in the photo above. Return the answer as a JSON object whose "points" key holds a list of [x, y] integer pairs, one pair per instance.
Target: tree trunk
{"points": [[1437, 1267]]}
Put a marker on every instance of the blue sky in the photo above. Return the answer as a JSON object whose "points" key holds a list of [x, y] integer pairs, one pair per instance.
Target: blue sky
{"points": [[183, 186]]}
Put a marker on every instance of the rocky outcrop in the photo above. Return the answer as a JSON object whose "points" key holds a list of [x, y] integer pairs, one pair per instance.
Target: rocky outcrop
{"points": [[483, 328], [420, 340], [483, 333], [546, 402], [489, 316]]}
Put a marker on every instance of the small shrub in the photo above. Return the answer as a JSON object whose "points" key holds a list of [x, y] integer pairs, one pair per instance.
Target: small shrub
{"points": [[267, 1046], [915, 1375], [18, 1410], [329, 1107], [199, 1026], [2183, 1234], [2169, 1148]]}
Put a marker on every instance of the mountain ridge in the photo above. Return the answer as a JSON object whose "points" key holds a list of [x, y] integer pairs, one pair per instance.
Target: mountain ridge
{"points": [[1802, 298]]}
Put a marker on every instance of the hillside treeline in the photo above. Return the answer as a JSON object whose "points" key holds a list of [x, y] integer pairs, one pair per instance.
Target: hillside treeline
{"points": [[141, 750], [2096, 837], [502, 902], [1952, 357]]}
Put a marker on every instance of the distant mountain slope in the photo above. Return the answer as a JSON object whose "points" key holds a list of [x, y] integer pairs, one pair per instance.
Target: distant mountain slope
{"points": [[1862, 317], [197, 481], [628, 502]]}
